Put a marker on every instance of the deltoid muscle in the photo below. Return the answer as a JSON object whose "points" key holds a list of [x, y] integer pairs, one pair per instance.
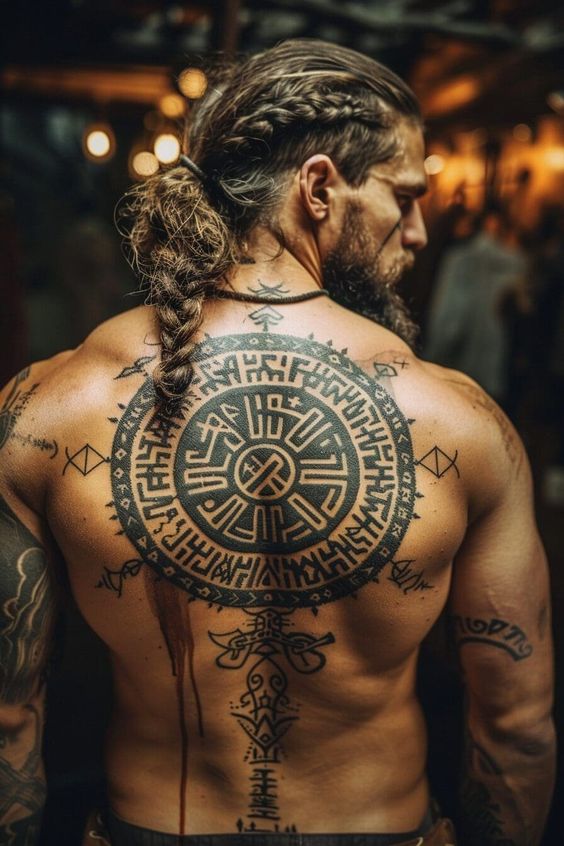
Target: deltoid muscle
{"points": [[287, 481]]}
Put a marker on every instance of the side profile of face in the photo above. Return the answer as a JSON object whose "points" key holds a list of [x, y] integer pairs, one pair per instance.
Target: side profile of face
{"points": [[382, 226]]}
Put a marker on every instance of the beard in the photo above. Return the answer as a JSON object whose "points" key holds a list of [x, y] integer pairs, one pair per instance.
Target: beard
{"points": [[357, 277]]}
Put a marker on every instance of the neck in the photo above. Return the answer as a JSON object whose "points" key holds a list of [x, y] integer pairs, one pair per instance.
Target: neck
{"points": [[268, 266]]}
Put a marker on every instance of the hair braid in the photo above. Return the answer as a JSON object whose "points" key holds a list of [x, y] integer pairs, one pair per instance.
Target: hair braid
{"points": [[180, 246]]}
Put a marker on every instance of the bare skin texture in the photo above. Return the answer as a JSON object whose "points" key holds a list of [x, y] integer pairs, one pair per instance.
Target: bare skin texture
{"points": [[264, 565]]}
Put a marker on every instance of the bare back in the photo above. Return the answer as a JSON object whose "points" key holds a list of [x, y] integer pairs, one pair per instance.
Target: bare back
{"points": [[263, 565]]}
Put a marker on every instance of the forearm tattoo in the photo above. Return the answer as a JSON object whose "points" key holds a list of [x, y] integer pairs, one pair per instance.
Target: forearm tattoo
{"points": [[285, 482], [482, 815]]}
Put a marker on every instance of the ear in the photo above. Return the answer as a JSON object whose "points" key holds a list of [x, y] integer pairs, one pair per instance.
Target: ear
{"points": [[319, 182]]}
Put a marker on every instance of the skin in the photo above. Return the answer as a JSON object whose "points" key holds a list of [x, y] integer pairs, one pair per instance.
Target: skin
{"points": [[473, 546]]}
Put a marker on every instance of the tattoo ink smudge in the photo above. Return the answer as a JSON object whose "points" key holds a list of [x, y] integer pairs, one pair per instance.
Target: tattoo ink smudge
{"points": [[173, 613]]}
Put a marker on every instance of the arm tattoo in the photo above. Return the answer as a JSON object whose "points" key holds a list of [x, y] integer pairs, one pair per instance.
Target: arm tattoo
{"points": [[482, 815], [27, 609], [492, 632], [21, 787], [14, 404]]}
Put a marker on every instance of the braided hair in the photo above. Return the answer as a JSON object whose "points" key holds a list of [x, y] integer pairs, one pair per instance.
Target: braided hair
{"points": [[263, 119]]}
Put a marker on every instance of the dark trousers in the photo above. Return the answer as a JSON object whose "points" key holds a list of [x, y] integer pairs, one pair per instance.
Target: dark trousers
{"points": [[433, 831]]}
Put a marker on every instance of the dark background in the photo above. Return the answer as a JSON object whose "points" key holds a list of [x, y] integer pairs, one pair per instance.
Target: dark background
{"points": [[481, 68]]}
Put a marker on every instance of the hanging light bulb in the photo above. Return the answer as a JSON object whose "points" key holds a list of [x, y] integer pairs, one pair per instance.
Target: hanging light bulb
{"points": [[144, 163], [166, 148], [193, 83], [172, 105], [98, 142]]}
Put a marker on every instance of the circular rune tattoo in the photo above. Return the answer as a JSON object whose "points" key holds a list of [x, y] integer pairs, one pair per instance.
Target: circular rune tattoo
{"points": [[288, 479]]}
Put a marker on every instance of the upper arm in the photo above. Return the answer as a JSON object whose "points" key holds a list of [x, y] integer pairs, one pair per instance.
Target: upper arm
{"points": [[500, 601], [27, 608]]}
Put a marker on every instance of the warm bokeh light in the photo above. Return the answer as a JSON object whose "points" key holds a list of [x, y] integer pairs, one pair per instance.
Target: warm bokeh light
{"points": [[144, 163], [193, 83], [434, 164], [556, 101], [167, 148], [522, 132], [172, 105], [98, 143], [555, 158]]}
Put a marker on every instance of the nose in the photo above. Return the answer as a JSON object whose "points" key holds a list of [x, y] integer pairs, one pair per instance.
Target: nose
{"points": [[414, 232]]}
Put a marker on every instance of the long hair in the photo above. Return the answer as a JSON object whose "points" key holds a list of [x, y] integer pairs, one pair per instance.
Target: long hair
{"points": [[258, 125]]}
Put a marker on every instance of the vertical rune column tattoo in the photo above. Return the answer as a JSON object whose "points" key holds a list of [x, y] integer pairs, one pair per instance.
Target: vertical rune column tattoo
{"points": [[265, 711]]}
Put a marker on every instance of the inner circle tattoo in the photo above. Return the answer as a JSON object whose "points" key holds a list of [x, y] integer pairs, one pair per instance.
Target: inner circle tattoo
{"points": [[288, 479]]}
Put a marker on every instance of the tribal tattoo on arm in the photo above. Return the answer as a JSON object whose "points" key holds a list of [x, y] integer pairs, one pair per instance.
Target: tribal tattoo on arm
{"points": [[491, 632], [485, 799], [14, 405], [27, 617]]}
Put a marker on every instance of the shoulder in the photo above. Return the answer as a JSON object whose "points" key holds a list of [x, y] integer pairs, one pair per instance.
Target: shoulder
{"points": [[45, 400], [446, 401]]}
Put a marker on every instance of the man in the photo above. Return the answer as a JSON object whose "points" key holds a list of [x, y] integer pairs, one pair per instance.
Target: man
{"points": [[247, 445], [466, 321]]}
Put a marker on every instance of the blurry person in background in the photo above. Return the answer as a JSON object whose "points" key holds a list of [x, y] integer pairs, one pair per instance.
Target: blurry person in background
{"points": [[260, 440], [547, 365], [465, 328]]}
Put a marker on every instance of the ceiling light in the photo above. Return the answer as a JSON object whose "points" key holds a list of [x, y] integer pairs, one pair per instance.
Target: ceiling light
{"points": [[144, 163], [98, 143]]}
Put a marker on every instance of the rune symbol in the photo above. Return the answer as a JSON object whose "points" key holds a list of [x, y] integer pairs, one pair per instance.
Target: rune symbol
{"points": [[277, 290], [265, 316], [438, 462], [85, 460]]}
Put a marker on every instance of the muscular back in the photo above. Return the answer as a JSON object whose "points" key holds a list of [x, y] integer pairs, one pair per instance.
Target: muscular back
{"points": [[264, 562]]}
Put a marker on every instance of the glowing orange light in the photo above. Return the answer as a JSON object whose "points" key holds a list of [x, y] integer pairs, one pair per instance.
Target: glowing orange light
{"points": [[144, 163], [522, 132], [193, 83], [172, 105], [434, 164], [167, 148], [98, 143]]}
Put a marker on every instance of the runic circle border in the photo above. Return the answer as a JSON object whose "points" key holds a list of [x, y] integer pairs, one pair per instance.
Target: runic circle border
{"points": [[131, 519]]}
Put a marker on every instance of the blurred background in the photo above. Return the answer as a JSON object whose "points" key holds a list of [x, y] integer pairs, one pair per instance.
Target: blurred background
{"points": [[94, 97]]}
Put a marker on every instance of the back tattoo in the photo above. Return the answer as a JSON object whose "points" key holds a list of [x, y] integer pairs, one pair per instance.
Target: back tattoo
{"points": [[286, 481]]}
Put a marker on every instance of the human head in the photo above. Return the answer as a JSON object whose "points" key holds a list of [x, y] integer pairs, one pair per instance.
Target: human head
{"points": [[273, 112]]}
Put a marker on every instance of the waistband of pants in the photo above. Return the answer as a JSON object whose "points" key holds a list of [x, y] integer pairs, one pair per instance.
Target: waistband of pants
{"points": [[123, 833]]}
